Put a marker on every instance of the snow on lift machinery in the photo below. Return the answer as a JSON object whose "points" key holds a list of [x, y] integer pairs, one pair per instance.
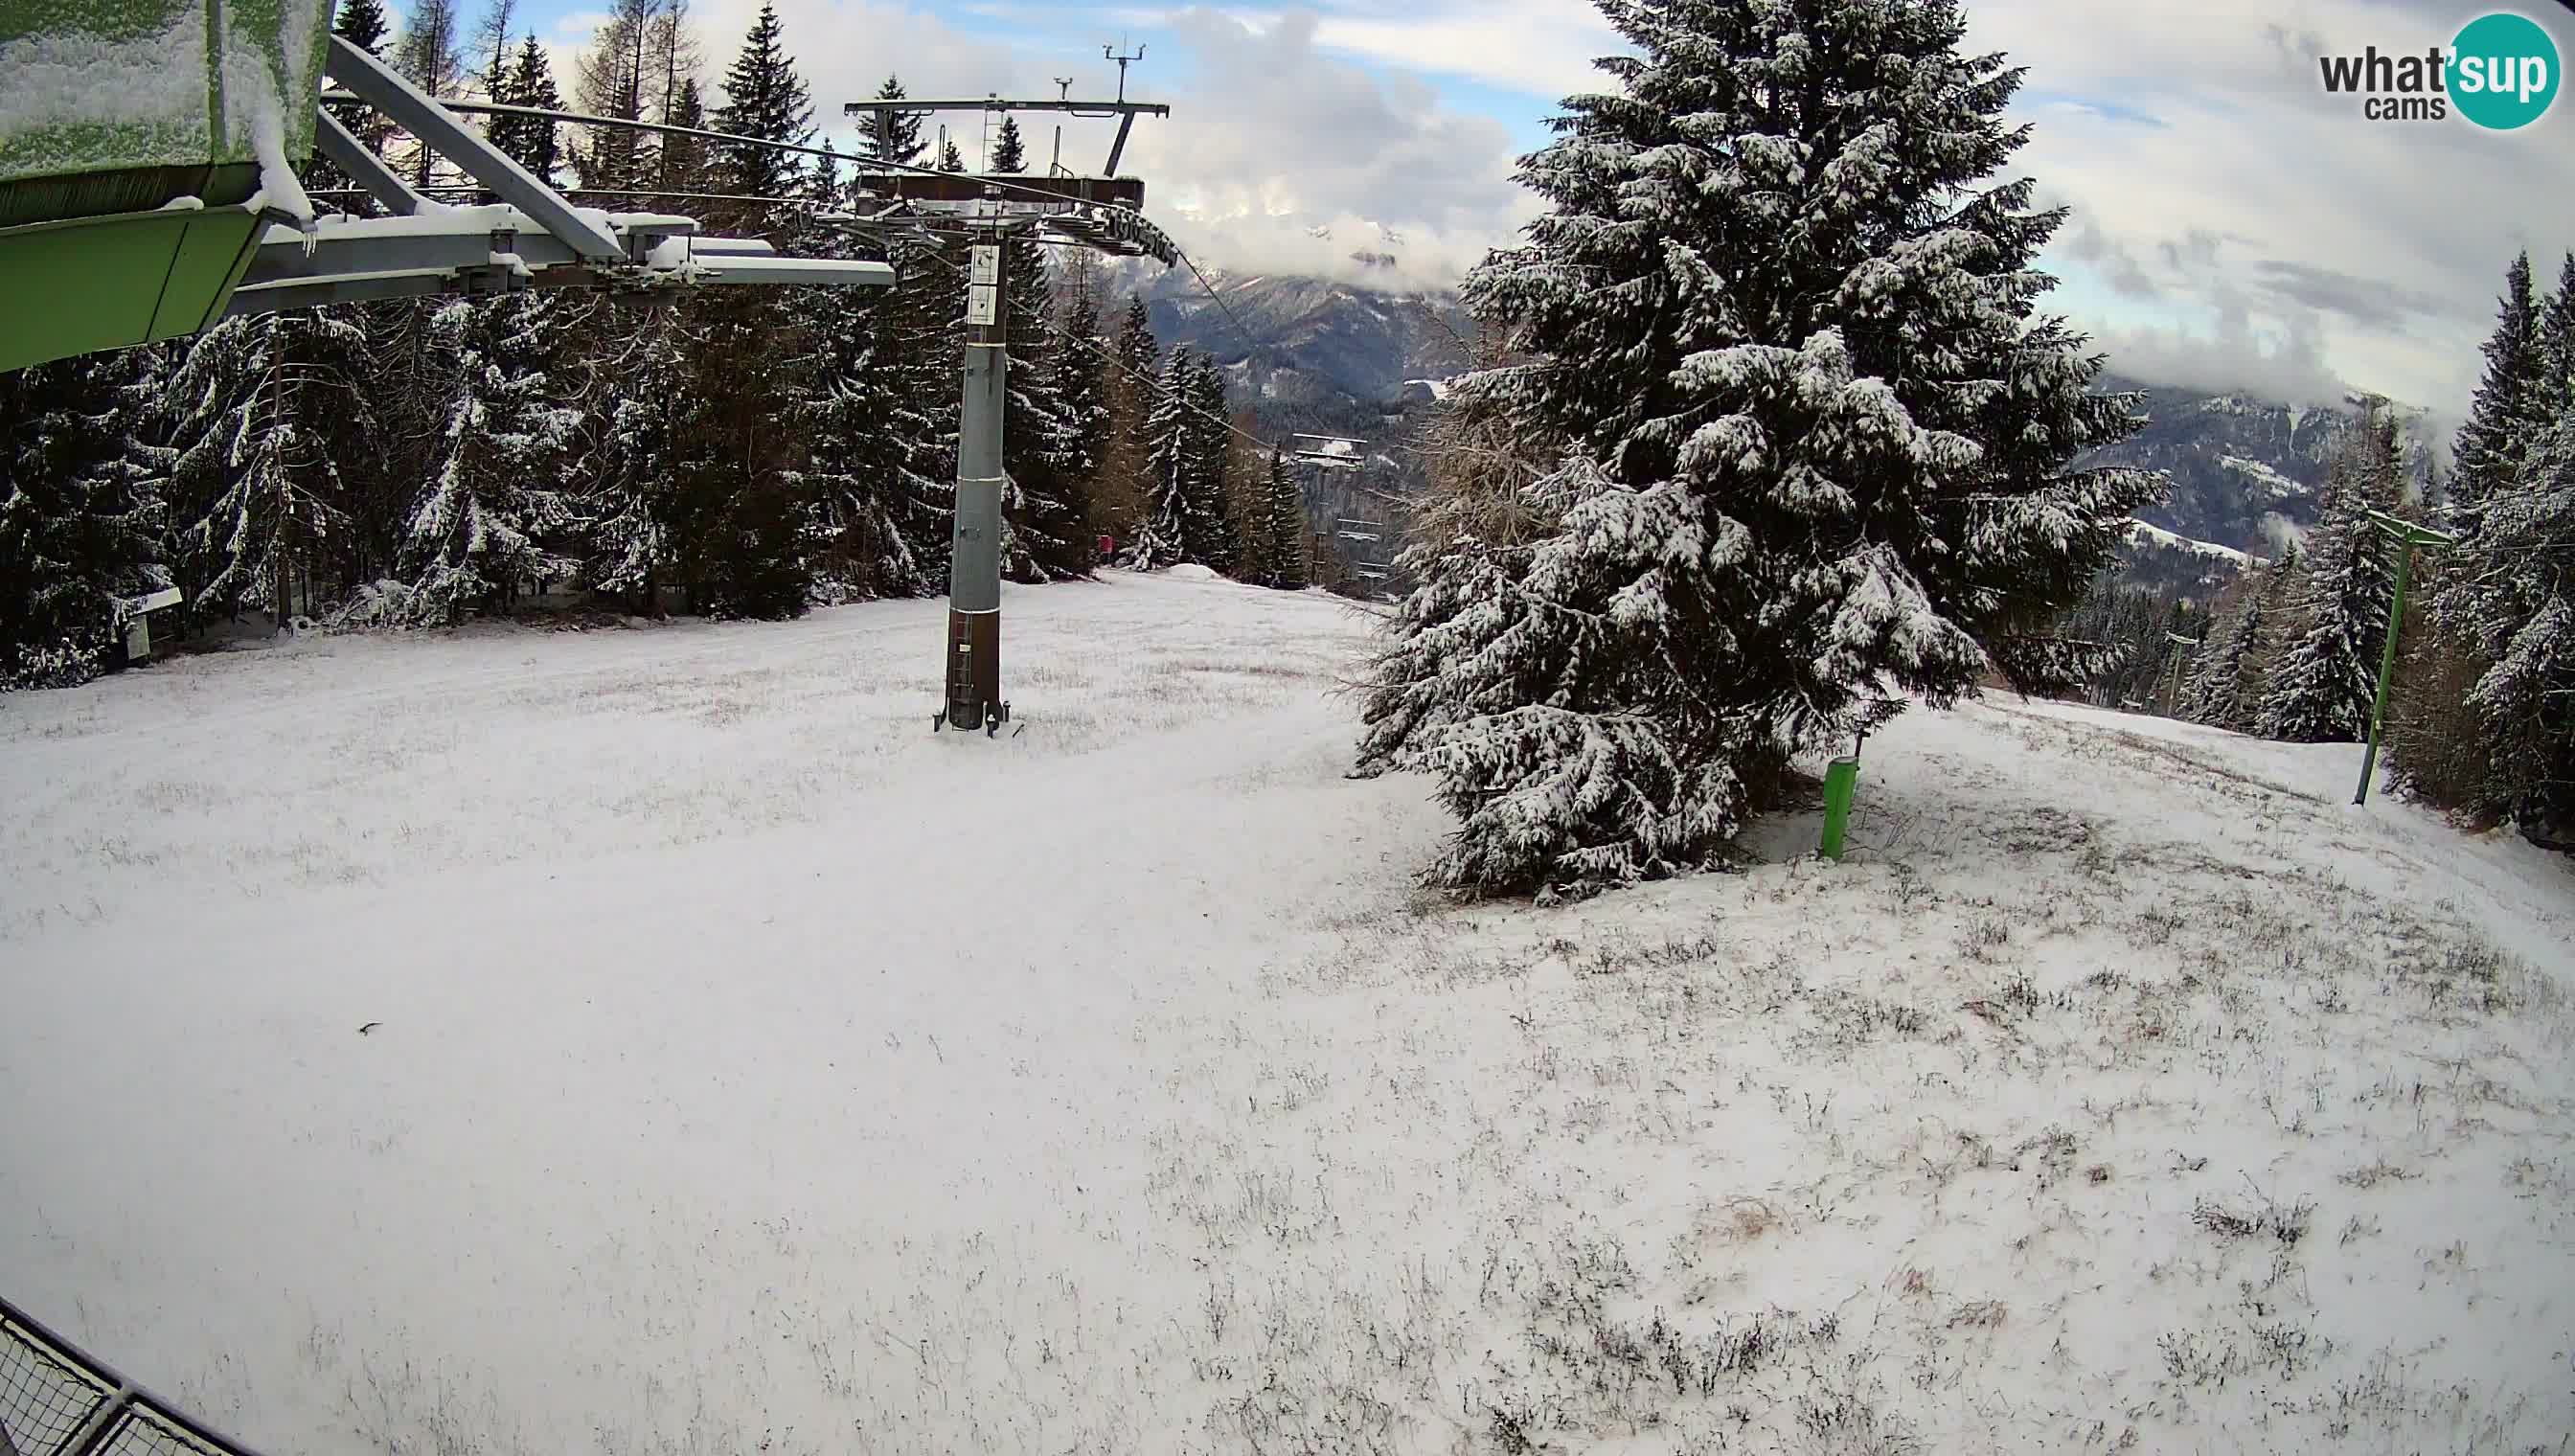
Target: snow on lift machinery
{"points": [[145, 195], [1103, 212]]}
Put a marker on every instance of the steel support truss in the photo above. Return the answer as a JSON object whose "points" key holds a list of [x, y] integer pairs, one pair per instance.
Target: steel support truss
{"points": [[531, 237]]}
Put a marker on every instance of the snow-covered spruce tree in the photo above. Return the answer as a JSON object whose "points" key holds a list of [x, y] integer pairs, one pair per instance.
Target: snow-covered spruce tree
{"points": [[253, 488], [1817, 442], [2497, 434], [2524, 605], [767, 99], [2321, 690], [1285, 509], [2555, 391], [494, 513], [2227, 686], [1048, 506], [856, 428], [1210, 537], [926, 354], [533, 142], [1081, 383], [1128, 388], [80, 526], [638, 407], [1162, 534]]}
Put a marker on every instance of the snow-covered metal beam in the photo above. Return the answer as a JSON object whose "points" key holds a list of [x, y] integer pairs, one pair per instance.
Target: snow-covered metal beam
{"points": [[377, 84], [369, 170]]}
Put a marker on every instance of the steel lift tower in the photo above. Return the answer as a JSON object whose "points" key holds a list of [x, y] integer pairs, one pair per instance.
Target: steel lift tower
{"points": [[991, 210]]}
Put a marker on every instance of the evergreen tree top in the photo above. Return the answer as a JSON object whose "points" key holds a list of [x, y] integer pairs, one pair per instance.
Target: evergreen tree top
{"points": [[1137, 349], [767, 99], [893, 136], [362, 23], [2491, 442], [950, 159], [1009, 154]]}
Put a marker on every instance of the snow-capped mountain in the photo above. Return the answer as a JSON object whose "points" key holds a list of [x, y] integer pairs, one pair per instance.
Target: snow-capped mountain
{"points": [[2245, 472]]}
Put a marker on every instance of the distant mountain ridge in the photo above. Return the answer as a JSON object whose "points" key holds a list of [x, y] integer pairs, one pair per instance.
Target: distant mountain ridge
{"points": [[2245, 473], [1340, 358]]}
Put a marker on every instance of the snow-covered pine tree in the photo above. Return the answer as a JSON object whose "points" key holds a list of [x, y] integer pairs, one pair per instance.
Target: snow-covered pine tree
{"points": [[2491, 443], [1161, 534], [80, 524], [1818, 435], [1050, 502], [533, 142], [683, 164], [893, 136], [922, 353], [1285, 509], [252, 486], [734, 525], [858, 433], [1080, 381], [2321, 690], [1210, 538], [1009, 153], [767, 99], [2555, 347], [494, 517], [2218, 671], [2521, 602], [634, 476], [1130, 381]]}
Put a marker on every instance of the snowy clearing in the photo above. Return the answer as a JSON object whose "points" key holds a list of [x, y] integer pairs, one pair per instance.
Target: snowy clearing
{"points": [[2141, 533], [2264, 477], [757, 1071]]}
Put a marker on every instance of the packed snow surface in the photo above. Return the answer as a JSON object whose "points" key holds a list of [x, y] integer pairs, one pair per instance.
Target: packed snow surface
{"points": [[752, 1071]]}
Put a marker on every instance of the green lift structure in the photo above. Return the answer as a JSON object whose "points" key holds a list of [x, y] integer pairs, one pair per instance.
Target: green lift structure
{"points": [[148, 159]]}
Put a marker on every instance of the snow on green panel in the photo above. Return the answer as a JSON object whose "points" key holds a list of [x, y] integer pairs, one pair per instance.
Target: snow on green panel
{"points": [[93, 86]]}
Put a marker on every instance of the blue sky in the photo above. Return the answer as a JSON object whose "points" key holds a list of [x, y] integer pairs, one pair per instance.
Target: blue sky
{"points": [[2232, 226]]}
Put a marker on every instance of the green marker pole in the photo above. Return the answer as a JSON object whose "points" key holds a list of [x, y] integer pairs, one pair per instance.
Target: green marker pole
{"points": [[2408, 535], [1839, 778]]}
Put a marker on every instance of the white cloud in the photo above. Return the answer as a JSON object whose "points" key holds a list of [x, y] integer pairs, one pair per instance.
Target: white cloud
{"points": [[1269, 136], [2328, 248]]}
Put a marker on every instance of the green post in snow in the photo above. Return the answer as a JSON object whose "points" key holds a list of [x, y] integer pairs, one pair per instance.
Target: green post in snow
{"points": [[1839, 779], [2408, 535]]}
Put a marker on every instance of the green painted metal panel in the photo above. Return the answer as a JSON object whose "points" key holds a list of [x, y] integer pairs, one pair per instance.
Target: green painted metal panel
{"points": [[109, 110], [111, 283]]}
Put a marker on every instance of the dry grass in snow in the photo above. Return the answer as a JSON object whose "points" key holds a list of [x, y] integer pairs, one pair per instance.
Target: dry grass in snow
{"points": [[760, 1073]]}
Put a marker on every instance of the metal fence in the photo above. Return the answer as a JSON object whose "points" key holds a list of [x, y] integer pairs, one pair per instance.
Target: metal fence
{"points": [[57, 1401]]}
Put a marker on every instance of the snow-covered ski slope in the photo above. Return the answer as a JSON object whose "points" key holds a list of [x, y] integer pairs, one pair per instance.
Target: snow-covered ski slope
{"points": [[755, 1071]]}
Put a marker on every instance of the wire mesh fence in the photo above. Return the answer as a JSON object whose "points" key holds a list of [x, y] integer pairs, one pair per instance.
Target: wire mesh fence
{"points": [[57, 1401]]}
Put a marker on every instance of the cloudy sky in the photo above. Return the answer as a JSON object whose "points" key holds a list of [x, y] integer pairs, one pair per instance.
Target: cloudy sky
{"points": [[2234, 226]]}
